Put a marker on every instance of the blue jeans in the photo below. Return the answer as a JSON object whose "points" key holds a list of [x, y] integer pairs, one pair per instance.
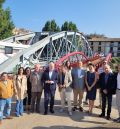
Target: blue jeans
{"points": [[3, 103], [19, 107]]}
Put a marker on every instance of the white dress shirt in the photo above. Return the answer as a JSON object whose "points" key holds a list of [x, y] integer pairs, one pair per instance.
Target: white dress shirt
{"points": [[50, 74], [118, 81], [79, 73], [100, 70]]}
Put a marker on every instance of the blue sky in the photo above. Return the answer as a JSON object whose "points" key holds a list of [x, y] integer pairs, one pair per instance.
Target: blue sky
{"points": [[90, 16]]}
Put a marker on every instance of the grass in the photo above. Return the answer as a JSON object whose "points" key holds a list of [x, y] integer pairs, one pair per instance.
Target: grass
{"points": [[114, 62]]}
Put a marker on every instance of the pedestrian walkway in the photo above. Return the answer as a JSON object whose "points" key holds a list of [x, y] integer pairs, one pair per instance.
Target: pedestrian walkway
{"points": [[79, 120]]}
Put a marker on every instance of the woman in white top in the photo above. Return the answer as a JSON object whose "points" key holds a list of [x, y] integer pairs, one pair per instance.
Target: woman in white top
{"points": [[64, 82], [67, 65]]}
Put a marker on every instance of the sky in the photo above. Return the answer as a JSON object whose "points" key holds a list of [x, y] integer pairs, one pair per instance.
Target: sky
{"points": [[90, 16]]}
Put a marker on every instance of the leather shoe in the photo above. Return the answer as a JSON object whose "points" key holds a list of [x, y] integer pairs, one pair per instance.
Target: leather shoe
{"points": [[108, 118], [101, 115], [117, 120], [81, 109], [45, 113], [74, 108], [9, 117], [52, 111]]}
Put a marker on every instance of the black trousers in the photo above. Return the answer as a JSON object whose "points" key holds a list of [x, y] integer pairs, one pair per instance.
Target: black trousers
{"points": [[106, 100], [27, 100], [49, 96]]}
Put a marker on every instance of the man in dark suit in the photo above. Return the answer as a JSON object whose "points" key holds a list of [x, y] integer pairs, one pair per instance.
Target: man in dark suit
{"points": [[50, 78], [107, 86]]}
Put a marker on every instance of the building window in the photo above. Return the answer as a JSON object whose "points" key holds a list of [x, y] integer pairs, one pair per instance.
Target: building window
{"points": [[115, 54], [92, 48], [118, 54], [8, 50], [111, 49], [115, 49], [99, 49], [107, 50], [99, 43], [115, 44], [91, 43], [112, 44], [21, 58]]}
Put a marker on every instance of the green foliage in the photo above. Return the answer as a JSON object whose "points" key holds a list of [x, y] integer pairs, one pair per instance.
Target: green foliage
{"points": [[58, 29], [1, 3], [51, 26], [65, 26], [69, 26], [47, 26], [114, 62], [6, 24]]}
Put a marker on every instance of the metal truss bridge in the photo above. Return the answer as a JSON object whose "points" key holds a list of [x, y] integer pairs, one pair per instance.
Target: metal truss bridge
{"points": [[45, 47]]}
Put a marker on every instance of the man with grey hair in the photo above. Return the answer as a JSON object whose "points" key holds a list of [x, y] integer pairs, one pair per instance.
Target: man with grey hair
{"points": [[37, 88], [78, 77], [50, 79]]}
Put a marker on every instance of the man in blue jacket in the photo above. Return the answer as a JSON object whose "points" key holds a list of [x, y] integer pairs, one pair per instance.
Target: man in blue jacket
{"points": [[78, 84], [50, 78]]}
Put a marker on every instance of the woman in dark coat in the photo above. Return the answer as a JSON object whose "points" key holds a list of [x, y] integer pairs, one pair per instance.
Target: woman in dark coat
{"points": [[27, 100]]}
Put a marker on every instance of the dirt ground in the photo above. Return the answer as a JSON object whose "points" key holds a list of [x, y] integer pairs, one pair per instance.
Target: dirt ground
{"points": [[79, 120]]}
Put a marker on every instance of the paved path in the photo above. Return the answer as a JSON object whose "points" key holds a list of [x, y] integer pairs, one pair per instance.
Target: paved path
{"points": [[79, 120]]}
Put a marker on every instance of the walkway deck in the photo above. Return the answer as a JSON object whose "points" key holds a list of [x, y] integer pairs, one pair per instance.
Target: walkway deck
{"points": [[58, 120]]}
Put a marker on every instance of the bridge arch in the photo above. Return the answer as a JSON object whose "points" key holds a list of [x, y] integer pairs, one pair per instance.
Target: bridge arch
{"points": [[52, 47]]}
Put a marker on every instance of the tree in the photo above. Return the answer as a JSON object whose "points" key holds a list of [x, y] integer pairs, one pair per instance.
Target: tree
{"points": [[72, 27], [65, 26], [51, 26], [58, 29], [6, 24], [69, 26], [47, 26], [1, 3]]}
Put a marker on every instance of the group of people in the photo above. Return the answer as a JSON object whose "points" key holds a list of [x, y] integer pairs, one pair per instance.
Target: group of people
{"points": [[27, 87]]}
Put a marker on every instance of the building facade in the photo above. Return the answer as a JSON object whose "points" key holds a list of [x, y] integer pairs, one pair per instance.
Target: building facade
{"points": [[105, 46], [18, 31]]}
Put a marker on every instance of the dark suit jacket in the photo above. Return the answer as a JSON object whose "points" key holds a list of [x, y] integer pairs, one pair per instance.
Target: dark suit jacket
{"points": [[53, 78], [115, 77], [110, 85]]}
